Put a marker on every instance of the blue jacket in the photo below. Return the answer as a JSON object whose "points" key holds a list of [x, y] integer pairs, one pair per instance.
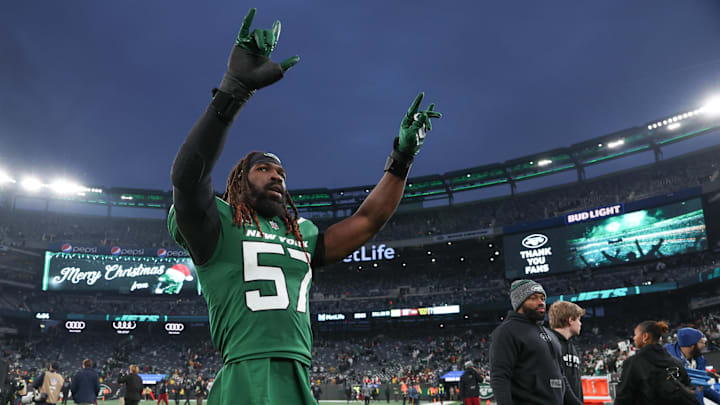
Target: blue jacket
{"points": [[674, 350], [711, 394], [85, 386]]}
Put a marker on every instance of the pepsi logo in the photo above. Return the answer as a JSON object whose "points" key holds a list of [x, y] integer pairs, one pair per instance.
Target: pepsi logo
{"points": [[534, 241], [162, 252], [66, 248], [115, 251]]}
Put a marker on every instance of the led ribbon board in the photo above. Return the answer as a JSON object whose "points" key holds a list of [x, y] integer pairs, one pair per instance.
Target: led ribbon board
{"points": [[90, 272], [647, 234]]}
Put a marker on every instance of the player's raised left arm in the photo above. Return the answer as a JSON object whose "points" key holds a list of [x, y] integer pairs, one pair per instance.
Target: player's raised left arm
{"points": [[349, 234]]}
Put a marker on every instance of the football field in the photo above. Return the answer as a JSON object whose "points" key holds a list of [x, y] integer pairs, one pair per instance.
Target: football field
{"points": [[193, 402]]}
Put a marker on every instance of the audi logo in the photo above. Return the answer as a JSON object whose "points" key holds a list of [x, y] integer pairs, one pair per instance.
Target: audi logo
{"points": [[75, 326], [124, 325], [174, 328]]}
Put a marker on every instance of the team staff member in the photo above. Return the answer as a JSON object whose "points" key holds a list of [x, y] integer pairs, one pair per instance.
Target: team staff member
{"points": [[470, 385], [524, 361], [85, 384], [253, 255]]}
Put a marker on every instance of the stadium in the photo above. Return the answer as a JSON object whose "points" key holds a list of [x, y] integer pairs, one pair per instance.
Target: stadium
{"points": [[411, 306], [556, 241]]}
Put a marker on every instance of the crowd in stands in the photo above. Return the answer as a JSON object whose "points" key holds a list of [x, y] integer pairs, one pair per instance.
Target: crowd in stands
{"points": [[350, 291], [37, 229], [420, 356]]}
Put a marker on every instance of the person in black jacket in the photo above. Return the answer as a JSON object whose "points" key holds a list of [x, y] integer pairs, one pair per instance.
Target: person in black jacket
{"points": [[637, 386], [470, 385], [566, 322], [133, 386], [524, 358], [86, 384]]}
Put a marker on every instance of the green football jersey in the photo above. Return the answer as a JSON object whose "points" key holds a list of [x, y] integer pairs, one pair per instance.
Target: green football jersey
{"points": [[257, 288]]}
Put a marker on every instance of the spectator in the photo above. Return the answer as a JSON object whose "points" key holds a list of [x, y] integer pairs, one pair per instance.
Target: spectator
{"points": [[565, 321], [162, 392], [638, 384], [688, 349], [133, 386]]}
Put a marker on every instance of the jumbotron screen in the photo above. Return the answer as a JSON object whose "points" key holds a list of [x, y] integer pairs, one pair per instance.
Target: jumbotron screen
{"points": [[126, 274], [635, 236]]}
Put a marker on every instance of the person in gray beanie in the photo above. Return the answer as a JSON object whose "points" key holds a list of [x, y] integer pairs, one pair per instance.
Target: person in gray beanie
{"points": [[524, 355], [470, 385]]}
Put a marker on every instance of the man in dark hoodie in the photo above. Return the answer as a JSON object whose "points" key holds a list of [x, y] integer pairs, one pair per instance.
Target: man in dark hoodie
{"points": [[470, 385], [566, 322], [524, 358], [688, 349]]}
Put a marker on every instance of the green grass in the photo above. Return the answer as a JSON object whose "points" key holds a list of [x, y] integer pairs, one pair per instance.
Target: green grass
{"points": [[193, 402]]}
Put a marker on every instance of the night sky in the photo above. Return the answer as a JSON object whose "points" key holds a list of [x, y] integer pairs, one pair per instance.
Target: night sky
{"points": [[105, 92]]}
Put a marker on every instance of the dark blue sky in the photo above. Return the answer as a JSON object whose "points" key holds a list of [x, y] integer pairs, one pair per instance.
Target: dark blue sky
{"points": [[105, 92]]}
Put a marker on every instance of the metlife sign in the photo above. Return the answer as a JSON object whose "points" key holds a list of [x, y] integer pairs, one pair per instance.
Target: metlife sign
{"points": [[371, 253]]}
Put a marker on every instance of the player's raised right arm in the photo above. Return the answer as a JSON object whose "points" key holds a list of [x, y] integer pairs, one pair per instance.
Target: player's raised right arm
{"points": [[249, 69]]}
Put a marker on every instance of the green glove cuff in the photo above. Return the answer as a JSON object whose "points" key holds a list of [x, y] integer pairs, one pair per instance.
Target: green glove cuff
{"points": [[227, 106], [398, 163]]}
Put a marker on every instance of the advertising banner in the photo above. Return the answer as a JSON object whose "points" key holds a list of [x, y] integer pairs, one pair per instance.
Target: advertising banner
{"points": [[145, 275], [647, 234]]}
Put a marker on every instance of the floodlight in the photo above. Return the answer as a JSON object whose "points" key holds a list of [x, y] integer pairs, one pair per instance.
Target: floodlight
{"points": [[545, 162], [66, 187], [712, 106], [31, 184], [617, 143], [4, 178], [675, 125]]}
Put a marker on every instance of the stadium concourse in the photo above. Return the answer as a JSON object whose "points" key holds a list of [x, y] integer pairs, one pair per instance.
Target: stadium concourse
{"points": [[409, 308]]}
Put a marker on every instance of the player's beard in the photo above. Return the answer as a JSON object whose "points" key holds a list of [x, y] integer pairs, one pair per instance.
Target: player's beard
{"points": [[265, 205], [695, 352], [532, 313]]}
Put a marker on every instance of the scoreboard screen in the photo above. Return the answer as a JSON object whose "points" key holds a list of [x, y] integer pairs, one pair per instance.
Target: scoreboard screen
{"points": [[127, 274], [635, 236]]}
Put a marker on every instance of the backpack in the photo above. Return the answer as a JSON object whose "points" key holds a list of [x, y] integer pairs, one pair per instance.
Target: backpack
{"points": [[666, 388]]}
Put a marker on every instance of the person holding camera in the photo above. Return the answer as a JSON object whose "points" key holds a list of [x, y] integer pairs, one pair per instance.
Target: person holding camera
{"points": [[49, 385], [133, 386]]}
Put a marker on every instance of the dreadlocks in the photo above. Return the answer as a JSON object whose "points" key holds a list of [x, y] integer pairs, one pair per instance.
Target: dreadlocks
{"points": [[238, 186]]}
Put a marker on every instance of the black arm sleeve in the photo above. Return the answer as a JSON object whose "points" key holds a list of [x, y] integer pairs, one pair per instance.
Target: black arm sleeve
{"points": [[193, 195], [318, 259]]}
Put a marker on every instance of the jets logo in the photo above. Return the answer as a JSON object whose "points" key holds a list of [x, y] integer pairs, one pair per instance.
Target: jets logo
{"points": [[274, 225]]}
